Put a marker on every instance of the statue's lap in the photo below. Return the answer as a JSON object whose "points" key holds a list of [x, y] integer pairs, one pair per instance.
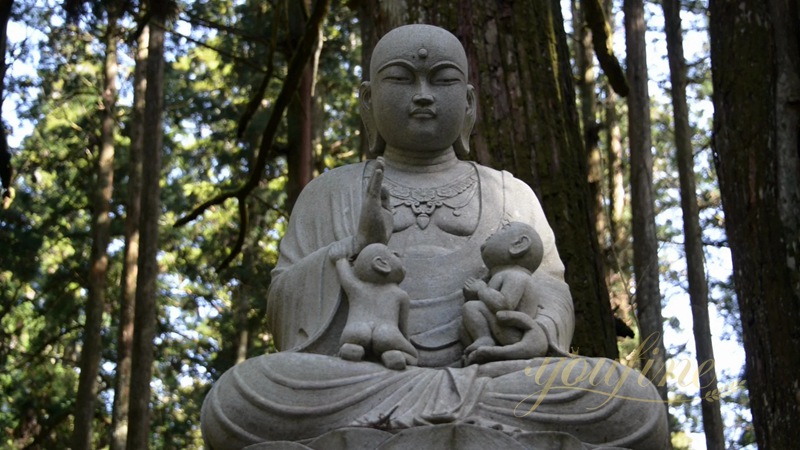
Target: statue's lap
{"points": [[298, 396]]}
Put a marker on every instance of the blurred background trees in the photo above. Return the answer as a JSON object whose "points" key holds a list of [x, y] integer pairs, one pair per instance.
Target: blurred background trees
{"points": [[187, 128]]}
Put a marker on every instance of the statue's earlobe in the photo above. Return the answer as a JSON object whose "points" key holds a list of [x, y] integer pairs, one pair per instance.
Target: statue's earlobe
{"points": [[461, 145], [376, 142]]}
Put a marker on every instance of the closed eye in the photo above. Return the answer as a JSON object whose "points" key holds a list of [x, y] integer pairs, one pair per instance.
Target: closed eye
{"points": [[446, 76], [397, 74], [397, 79]]}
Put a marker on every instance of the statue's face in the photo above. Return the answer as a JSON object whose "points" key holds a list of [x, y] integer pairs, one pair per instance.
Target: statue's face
{"points": [[419, 94]]}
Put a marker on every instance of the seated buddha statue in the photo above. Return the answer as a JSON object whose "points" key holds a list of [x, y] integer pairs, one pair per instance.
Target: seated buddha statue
{"points": [[435, 209]]}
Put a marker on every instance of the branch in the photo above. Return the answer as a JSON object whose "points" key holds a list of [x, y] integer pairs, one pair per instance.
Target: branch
{"points": [[300, 59], [204, 206], [201, 21], [601, 41], [258, 95], [237, 247], [230, 55]]}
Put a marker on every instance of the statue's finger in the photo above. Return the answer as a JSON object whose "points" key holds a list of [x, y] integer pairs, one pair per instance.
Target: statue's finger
{"points": [[375, 184]]}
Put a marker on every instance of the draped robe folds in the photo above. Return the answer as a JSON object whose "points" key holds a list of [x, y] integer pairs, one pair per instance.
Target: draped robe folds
{"points": [[305, 390]]}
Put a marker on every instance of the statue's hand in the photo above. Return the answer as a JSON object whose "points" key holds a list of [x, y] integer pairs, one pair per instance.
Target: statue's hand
{"points": [[471, 288], [376, 220], [339, 250]]}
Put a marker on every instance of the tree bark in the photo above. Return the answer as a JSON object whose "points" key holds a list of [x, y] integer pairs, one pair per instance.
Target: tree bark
{"points": [[146, 312], [91, 353], [755, 65], [693, 243], [5, 155], [299, 158], [617, 252], [130, 267], [528, 124], [645, 245], [584, 60]]}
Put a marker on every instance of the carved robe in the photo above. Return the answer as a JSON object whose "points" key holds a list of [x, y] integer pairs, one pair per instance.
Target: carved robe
{"points": [[306, 390]]}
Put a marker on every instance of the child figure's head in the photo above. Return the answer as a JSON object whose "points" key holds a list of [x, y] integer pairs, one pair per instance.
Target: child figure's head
{"points": [[378, 264], [515, 244]]}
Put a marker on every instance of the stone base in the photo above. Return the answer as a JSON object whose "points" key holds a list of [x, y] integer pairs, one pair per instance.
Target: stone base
{"points": [[454, 436]]}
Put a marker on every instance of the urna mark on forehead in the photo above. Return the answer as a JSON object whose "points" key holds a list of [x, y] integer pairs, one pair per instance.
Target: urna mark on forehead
{"points": [[414, 42]]}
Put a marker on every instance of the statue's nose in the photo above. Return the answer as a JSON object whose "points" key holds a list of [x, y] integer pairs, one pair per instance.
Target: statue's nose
{"points": [[422, 99]]}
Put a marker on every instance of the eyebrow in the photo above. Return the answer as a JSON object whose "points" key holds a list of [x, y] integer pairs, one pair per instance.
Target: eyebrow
{"points": [[410, 66]]}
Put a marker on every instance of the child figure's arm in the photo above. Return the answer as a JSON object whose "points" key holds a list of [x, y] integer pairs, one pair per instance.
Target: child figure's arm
{"points": [[347, 278], [504, 291]]}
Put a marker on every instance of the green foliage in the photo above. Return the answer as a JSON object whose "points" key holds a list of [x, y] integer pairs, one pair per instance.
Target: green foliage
{"points": [[218, 54]]}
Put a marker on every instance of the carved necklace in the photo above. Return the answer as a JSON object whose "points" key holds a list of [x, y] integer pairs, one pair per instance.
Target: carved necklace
{"points": [[424, 201]]}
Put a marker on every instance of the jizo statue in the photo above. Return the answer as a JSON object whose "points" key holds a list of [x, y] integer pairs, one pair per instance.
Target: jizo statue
{"points": [[389, 345]]}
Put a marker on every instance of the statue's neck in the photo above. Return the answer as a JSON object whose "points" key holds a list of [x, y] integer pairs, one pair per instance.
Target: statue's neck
{"points": [[428, 161]]}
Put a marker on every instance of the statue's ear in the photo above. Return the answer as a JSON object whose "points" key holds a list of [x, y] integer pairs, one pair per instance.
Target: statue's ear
{"points": [[520, 247], [461, 145], [381, 266], [376, 142]]}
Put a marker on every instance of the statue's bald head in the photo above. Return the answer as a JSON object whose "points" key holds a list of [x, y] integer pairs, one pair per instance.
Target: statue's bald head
{"points": [[412, 42]]}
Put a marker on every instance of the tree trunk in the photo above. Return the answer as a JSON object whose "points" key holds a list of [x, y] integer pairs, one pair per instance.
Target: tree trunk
{"points": [[618, 247], [584, 60], [5, 155], [645, 245], [693, 243], [299, 157], [755, 66], [616, 178], [146, 314], [528, 124], [91, 352], [130, 267]]}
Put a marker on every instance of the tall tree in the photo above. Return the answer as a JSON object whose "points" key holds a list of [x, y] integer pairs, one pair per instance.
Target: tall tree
{"points": [[146, 310], [645, 245], [755, 59], [693, 243], [5, 155], [617, 250], [584, 62], [130, 267], [528, 124], [91, 352], [299, 115]]}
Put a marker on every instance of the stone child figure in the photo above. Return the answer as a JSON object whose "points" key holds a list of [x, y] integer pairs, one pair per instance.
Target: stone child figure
{"points": [[496, 315], [378, 308]]}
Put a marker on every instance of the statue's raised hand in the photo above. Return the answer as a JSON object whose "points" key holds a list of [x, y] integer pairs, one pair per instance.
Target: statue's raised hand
{"points": [[376, 220]]}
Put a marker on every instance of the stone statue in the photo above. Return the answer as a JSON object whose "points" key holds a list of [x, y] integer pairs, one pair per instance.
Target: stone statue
{"points": [[421, 200], [497, 315]]}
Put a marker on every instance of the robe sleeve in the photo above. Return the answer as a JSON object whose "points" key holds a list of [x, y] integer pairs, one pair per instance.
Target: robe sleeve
{"points": [[304, 294]]}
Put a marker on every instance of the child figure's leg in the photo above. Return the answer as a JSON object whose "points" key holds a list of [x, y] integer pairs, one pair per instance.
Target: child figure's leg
{"points": [[477, 318], [356, 338]]}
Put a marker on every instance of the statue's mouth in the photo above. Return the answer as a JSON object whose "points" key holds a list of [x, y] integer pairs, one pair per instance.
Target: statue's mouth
{"points": [[423, 113]]}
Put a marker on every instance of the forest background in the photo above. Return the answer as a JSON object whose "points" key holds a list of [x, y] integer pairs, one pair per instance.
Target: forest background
{"points": [[152, 152]]}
